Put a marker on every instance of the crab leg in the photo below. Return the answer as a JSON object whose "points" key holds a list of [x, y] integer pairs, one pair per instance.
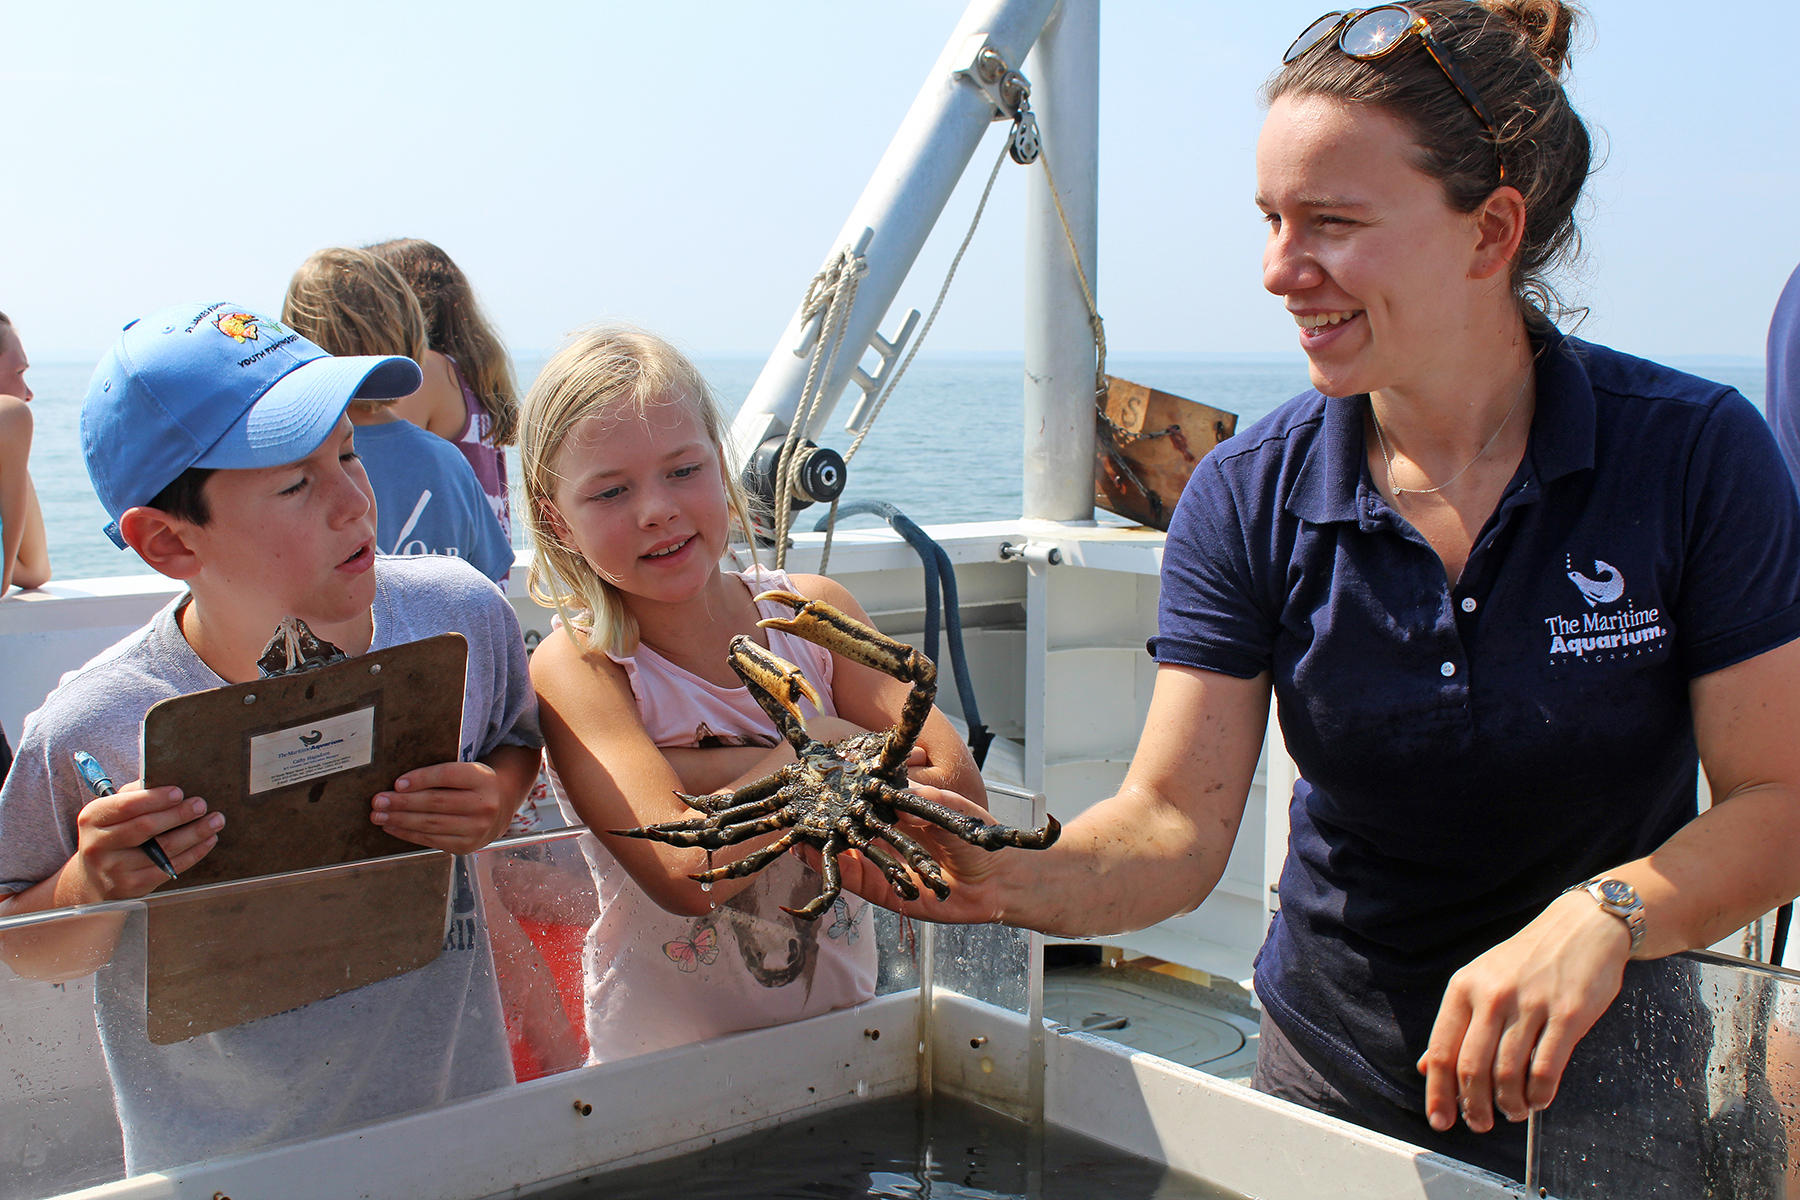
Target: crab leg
{"points": [[919, 858], [988, 837], [834, 881], [827, 626], [750, 863], [890, 866]]}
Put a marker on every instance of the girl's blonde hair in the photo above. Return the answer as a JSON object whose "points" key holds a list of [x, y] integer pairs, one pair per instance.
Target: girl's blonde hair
{"points": [[455, 325], [350, 302], [610, 370]]}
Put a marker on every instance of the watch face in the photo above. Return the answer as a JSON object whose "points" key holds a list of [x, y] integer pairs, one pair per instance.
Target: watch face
{"points": [[1618, 892]]}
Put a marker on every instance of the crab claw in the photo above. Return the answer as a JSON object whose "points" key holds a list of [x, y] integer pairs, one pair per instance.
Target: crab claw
{"points": [[780, 679], [827, 626]]}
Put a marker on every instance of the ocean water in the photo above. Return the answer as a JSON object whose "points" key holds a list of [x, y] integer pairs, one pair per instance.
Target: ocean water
{"points": [[948, 446]]}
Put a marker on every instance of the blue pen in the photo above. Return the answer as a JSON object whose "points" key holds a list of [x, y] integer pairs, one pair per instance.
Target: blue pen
{"points": [[95, 777]]}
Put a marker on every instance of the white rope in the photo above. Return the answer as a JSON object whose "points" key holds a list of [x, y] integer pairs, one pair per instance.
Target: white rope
{"points": [[832, 290], [894, 380]]}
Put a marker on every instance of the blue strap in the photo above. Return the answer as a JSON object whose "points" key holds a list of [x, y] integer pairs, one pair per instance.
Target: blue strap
{"points": [[940, 574]]}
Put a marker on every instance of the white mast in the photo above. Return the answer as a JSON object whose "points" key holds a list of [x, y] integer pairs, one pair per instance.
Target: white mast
{"points": [[908, 190], [1064, 70]]}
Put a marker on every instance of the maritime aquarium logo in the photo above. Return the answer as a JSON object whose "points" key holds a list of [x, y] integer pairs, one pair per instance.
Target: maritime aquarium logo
{"points": [[1598, 635]]}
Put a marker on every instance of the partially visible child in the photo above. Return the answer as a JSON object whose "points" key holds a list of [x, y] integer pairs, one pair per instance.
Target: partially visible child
{"points": [[217, 443], [469, 395], [431, 502], [630, 507], [24, 551]]}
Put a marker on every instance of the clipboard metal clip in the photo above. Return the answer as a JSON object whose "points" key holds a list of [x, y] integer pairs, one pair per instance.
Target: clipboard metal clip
{"points": [[296, 648]]}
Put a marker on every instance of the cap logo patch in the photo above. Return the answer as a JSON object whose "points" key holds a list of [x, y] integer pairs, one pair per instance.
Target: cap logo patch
{"points": [[242, 327]]}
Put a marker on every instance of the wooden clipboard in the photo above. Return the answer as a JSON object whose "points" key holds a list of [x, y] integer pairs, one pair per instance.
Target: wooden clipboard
{"points": [[293, 760], [220, 956]]}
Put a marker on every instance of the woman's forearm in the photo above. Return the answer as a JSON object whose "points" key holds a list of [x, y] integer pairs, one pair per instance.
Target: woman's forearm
{"points": [[1124, 864], [31, 563], [1719, 872]]}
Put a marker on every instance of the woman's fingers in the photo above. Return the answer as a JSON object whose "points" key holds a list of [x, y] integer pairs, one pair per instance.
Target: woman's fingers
{"points": [[1519, 1047], [1439, 1062], [1511, 1019]]}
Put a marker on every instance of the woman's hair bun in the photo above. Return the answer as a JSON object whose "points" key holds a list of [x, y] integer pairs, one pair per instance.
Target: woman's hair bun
{"points": [[1549, 25]]}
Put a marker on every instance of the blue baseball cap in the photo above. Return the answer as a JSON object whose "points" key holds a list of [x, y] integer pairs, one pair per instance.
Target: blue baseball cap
{"points": [[216, 385]]}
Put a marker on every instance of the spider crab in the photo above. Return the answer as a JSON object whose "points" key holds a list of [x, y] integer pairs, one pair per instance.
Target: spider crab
{"points": [[839, 796]]}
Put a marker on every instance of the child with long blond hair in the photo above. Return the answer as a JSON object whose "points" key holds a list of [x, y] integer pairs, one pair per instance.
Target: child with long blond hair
{"points": [[631, 508], [429, 500], [468, 397]]}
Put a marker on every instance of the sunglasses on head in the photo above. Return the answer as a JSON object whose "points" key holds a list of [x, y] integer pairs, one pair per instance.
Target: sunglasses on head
{"points": [[1366, 33]]}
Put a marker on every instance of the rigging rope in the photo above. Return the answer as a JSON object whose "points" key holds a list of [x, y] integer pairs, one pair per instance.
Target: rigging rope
{"points": [[833, 289], [830, 521], [1095, 323], [1087, 293]]}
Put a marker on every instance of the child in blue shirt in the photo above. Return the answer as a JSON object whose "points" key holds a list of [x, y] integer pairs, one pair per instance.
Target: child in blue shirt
{"points": [[431, 502]]}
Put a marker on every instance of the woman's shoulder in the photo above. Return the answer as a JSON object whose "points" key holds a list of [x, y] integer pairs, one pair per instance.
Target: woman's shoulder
{"points": [[1290, 429], [1629, 378]]}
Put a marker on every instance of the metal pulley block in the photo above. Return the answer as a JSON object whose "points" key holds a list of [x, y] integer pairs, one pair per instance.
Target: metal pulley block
{"points": [[819, 479], [1024, 144]]}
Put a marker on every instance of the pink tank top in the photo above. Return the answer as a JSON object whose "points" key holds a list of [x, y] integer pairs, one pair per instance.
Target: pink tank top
{"points": [[654, 979]]}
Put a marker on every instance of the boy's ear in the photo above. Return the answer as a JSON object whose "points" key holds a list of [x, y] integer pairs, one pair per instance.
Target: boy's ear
{"points": [[161, 540]]}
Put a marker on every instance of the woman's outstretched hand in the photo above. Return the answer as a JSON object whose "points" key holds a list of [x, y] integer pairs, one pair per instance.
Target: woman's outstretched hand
{"points": [[1511, 1018], [974, 875]]}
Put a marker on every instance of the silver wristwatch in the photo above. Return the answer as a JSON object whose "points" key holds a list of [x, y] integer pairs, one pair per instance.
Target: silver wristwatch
{"points": [[1620, 899]]}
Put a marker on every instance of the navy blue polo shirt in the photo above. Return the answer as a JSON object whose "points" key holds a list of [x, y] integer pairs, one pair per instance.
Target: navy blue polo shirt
{"points": [[1468, 751]]}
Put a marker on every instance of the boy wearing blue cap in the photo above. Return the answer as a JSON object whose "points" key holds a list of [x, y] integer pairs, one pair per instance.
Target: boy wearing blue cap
{"points": [[218, 443]]}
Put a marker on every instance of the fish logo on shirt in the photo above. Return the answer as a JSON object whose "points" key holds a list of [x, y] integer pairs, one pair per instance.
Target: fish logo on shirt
{"points": [[1604, 590]]}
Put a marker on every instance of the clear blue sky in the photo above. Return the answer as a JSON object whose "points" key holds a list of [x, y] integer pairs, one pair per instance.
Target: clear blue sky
{"points": [[685, 164]]}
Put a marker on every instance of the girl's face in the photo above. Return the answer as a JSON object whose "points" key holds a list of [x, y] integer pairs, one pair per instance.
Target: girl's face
{"points": [[1373, 264], [642, 498]]}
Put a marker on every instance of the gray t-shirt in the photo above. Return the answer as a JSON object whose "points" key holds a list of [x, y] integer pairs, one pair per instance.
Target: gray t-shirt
{"points": [[421, 1038]]}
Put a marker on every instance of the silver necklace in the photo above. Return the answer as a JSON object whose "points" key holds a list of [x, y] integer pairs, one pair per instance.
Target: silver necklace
{"points": [[1387, 456]]}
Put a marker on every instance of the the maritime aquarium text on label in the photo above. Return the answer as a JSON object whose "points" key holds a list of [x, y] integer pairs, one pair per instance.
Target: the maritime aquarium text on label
{"points": [[308, 751]]}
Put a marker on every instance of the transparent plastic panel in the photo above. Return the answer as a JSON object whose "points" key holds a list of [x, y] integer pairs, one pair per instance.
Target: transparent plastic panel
{"points": [[982, 1015], [211, 1021], [1687, 1087], [59, 1129], [216, 1021]]}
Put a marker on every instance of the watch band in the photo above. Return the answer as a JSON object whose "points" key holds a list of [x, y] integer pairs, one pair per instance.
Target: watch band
{"points": [[1619, 899]]}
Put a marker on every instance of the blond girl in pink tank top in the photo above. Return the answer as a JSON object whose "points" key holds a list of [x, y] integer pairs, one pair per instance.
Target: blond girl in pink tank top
{"points": [[630, 507]]}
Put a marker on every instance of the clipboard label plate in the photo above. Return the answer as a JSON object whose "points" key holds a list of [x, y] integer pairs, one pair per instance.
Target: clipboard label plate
{"points": [[303, 752]]}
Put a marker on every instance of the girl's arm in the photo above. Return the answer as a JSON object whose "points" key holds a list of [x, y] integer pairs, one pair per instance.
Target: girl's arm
{"points": [[617, 778], [16, 498], [437, 407], [1511, 1018], [872, 700]]}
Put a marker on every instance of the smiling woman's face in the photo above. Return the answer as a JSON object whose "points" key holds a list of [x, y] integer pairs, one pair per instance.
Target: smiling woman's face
{"points": [[1370, 260]]}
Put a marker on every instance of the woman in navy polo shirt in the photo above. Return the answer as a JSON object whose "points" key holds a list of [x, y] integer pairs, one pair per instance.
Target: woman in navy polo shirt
{"points": [[1507, 586]]}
